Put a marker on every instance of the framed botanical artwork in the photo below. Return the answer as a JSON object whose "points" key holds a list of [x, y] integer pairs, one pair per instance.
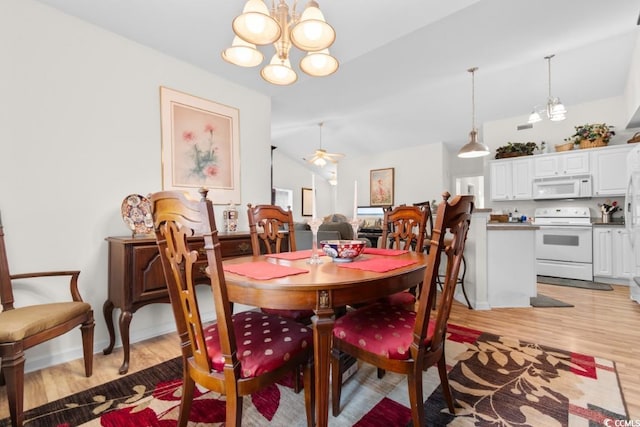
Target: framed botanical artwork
{"points": [[200, 146], [307, 201], [381, 187]]}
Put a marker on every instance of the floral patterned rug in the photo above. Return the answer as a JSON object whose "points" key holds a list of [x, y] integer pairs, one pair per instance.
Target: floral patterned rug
{"points": [[496, 381]]}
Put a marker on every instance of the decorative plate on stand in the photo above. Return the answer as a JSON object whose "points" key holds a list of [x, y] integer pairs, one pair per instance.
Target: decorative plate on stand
{"points": [[136, 213]]}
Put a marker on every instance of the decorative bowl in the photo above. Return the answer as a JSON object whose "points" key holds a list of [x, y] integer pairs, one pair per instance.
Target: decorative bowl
{"points": [[342, 250]]}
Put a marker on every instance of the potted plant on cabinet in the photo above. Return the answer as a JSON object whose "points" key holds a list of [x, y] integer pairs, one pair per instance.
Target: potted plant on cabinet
{"points": [[516, 149], [592, 135]]}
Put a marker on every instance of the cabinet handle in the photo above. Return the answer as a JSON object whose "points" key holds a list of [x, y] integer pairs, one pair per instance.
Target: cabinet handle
{"points": [[202, 251], [203, 269], [244, 247]]}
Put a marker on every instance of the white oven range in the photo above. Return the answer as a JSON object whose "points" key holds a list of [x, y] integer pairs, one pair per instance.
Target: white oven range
{"points": [[564, 242]]}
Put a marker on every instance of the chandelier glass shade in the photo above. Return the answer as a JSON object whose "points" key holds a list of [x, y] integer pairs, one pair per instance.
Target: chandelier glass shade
{"points": [[309, 32], [473, 148], [554, 110]]}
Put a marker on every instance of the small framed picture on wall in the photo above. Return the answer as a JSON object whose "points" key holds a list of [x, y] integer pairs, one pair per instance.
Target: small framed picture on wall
{"points": [[381, 187]]}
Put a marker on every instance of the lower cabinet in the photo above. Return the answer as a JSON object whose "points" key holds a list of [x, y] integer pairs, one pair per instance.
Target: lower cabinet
{"points": [[611, 253]]}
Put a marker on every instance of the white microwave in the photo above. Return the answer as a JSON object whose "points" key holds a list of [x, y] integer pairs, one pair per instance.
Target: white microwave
{"points": [[566, 187]]}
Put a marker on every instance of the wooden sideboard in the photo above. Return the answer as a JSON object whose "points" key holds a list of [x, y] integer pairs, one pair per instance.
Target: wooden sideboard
{"points": [[136, 278]]}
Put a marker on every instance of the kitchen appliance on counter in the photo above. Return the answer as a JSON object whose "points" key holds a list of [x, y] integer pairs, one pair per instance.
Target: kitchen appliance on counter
{"points": [[632, 219], [564, 242]]}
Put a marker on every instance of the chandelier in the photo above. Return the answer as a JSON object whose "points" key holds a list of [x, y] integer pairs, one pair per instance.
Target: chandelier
{"points": [[554, 110], [473, 148], [309, 32]]}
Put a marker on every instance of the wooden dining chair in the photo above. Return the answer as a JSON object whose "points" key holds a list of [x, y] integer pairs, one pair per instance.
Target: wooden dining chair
{"points": [[27, 326], [272, 232], [403, 227], [405, 341], [226, 357], [428, 229]]}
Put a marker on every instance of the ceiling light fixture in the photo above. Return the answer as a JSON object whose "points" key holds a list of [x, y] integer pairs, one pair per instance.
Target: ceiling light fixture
{"points": [[308, 32], [554, 110], [321, 156], [473, 148]]}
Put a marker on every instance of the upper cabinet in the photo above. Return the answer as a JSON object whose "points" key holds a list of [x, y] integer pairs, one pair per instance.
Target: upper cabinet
{"points": [[511, 179], [561, 164], [609, 168]]}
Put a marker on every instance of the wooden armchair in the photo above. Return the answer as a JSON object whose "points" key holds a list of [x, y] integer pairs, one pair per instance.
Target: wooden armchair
{"points": [[409, 342], [272, 239], [24, 327], [219, 357]]}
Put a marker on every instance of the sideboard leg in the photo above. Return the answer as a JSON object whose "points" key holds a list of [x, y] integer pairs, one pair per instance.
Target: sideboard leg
{"points": [[107, 310], [125, 321]]}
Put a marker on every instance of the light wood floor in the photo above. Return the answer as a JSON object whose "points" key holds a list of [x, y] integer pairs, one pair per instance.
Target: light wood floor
{"points": [[602, 323]]}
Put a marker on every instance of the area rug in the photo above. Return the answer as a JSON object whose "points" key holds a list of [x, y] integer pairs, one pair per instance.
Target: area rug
{"points": [[584, 284], [541, 300], [496, 381]]}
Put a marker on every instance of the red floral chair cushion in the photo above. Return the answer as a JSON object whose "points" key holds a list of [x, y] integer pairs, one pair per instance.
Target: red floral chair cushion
{"points": [[264, 342], [380, 329]]}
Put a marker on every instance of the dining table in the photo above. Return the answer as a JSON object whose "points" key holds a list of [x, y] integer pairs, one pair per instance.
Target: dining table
{"points": [[288, 281]]}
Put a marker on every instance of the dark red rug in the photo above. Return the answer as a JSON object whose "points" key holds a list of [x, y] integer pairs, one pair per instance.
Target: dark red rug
{"points": [[496, 381]]}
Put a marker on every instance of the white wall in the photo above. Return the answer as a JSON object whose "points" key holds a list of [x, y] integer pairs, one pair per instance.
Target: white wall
{"points": [[632, 90], [80, 130], [419, 176], [292, 175]]}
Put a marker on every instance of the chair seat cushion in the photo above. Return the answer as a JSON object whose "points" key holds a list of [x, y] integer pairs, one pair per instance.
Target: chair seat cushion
{"points": [[265, 342], [401, 298], [303, 316], [380, 329], [19, 323]]}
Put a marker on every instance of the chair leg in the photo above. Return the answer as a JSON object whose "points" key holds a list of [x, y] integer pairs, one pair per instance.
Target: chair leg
{"points": [[188, 387], [297, 386], [234, 411], [381, 373], [310, 393], [87, 346], [461, 281], [336, 382], [414, 382], [13, 371], [444, 382]]}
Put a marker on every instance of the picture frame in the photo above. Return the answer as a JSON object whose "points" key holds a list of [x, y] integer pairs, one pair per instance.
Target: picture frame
{"points": [[381, 190], [200, 146], [307, 201]]}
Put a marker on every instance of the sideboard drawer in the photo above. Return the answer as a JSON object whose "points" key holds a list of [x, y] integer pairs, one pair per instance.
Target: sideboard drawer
{"points": [[235, 247]]}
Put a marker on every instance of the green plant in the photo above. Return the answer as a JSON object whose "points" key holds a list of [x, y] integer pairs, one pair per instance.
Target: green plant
{"points": [[592, 132], [522, 148]]}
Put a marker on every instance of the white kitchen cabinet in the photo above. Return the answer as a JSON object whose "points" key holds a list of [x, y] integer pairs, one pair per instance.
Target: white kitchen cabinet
{"points": [[511, 179], [611, 253], [609, 169], [561, 164]]}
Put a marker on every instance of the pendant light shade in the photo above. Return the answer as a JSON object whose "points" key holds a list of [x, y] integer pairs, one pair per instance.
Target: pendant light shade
{"points": [[242, 53], [473, 148], [279, 72], [312, 33], [319, 64], [255, 25]]}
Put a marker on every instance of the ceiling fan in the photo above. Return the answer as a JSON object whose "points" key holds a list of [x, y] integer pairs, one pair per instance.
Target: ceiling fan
{"points": [[321, 156]]}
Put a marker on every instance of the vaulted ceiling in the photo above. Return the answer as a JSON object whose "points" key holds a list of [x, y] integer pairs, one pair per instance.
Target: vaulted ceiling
{"points": [[403, 77]]}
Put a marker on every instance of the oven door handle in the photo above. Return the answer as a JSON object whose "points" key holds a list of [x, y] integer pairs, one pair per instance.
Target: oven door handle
{"points": [[564, 227]]}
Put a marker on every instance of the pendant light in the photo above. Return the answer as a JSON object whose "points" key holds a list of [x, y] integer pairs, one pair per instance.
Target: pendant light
{"points": [[554, 110], [473, 148]]}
